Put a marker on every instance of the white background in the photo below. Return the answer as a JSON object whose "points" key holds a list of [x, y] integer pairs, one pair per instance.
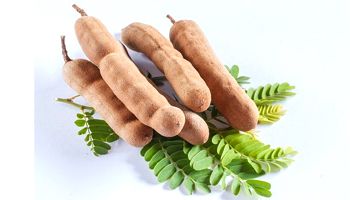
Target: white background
{"points": [[305, 43]]}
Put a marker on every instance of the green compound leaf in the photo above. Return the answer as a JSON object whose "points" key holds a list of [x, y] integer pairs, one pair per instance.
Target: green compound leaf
{"points": [[269, 114], [270, 93]]}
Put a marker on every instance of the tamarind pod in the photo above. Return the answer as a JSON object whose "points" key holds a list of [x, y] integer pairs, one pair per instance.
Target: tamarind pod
{"points": [[123, 77], [229, 98], [195, 130], [85, 79], [186, 81]]}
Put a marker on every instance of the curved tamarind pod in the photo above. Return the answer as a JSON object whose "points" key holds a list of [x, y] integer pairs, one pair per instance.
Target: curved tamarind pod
{"points": [[186, 81], [229, 98], [85, 78], [124, 78]]}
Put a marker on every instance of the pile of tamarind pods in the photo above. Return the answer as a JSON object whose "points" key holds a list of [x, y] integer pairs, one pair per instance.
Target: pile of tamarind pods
{"points": [[131, 104]]}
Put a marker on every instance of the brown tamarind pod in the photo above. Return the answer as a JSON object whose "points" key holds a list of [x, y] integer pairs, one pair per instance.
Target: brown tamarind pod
{"points": [[195, 130], [186, 81], [85, 79], [124, 78], [229, 98]]}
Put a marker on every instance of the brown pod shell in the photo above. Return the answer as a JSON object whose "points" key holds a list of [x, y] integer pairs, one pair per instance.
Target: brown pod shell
{"points": [[150, 107], [85, 78], [94, 38], [186, 81], [229, 98], [195, 130], [123, 77]]}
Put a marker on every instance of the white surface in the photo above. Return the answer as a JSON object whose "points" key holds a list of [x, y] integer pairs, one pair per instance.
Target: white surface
{"points": [[305, 43]]}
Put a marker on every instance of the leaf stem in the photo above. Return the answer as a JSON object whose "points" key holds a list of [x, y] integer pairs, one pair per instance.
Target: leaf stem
{"points": [[71, 102]]}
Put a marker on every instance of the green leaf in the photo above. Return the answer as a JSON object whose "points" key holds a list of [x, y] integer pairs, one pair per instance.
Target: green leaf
{"points": [[216, 175], [101, 129], [223, 180], [199, 156], [97, 122], [235, 186], [246, 188], [264, 94], [276, 153], [216, 139], [171, 143], [80, 116], [259, 183], [273, 89], [176, 180], [258, 92], [262, 152], [90, 113], [245, 144], [250, 92], [194, 150], [251, 148], [89, 143], [100, 150], [166, 173], [257, 166], [234, 71], [87, 138], [229, 156], [240, 139], [174, 148], [225, 150], [203, 163], [203, 187], [112, 138], [262, 192], [221, 147], [82, 131], [182, 163], [100, 136], [101, 144], [151, 151], [189, 185], [197, 174], [155, 159], [214, 112], [160, 165], [80, 122], [178, 156], [148, 146]]}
